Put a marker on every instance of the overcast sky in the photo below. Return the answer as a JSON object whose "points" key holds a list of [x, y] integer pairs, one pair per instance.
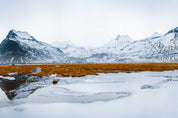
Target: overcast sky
{"points": [[87, 22]]}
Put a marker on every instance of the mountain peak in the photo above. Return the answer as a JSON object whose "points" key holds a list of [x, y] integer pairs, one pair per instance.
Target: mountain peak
{"points": [[12, 34], [68, 42], [18, 34], [64, 44], [118, 36], [124, 38], [175, 30]]}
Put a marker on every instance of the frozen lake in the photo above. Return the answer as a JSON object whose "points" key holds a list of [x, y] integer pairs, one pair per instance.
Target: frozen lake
{"points": [[114, 95]]}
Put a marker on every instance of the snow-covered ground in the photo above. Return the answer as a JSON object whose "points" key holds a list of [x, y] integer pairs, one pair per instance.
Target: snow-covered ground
{"points": [[113, 95]]}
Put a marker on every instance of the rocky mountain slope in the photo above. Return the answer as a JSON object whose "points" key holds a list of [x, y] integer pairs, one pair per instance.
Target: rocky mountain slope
{"points": [[156, 48], [21, 48]]}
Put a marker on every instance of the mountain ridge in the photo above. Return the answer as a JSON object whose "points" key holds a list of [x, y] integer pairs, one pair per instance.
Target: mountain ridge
{"points": [[21, 48]]}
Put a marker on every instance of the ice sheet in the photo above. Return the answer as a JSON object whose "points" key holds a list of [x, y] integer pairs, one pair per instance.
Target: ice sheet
{"points": [[125, 95]]}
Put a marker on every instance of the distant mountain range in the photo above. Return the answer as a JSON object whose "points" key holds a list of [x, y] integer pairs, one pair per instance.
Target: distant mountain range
{"points": [[21, 48]]}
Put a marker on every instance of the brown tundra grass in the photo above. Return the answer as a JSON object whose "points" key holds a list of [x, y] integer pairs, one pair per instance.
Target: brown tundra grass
{"points": [[78, 70]]}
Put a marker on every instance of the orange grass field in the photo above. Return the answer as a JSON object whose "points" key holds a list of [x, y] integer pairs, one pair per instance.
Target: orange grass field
{"points": [[78, 70]]}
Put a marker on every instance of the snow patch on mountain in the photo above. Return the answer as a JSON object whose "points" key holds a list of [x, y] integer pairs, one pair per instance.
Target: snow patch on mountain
{"points": [[72, 50]]}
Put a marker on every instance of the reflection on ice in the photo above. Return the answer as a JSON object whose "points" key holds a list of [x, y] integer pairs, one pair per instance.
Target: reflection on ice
{"points": [[16, 89], [8, 86]]}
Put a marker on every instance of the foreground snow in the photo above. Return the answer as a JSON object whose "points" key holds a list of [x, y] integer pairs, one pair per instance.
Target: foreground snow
{"points": [[124, 95]]}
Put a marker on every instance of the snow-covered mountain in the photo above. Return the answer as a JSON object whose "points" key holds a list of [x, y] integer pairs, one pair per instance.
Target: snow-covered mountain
{"points": [[166, 47], [156, 48], [20, 47], [72, 50], [116, 45]]}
